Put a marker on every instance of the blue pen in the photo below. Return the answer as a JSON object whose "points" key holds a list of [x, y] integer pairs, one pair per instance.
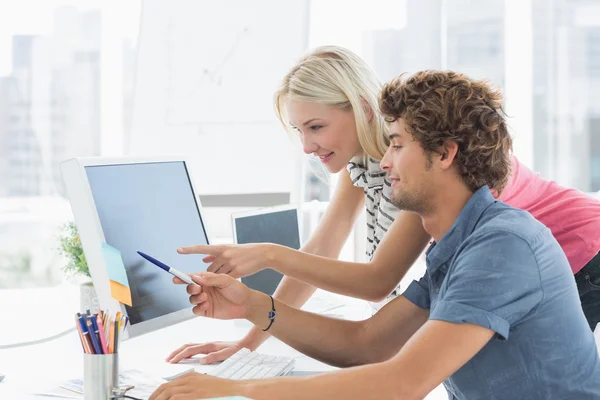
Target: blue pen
{"points": [[170, 270], [93, 336], [84, 329], [96, 334]]}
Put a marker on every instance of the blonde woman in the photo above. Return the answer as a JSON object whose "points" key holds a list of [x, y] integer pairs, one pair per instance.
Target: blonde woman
{"points": [[329, 99]]}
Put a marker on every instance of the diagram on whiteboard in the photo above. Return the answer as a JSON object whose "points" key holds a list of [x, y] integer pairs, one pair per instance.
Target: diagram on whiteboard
{"points": [[224, 60]]}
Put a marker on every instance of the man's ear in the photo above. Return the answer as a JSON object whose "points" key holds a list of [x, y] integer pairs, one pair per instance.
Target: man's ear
{"points": [[448, 153], [368, 109]]}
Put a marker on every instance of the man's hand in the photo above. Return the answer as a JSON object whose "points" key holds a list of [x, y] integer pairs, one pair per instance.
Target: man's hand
{"points": [[235, 260], [219, 296], [215, 352], [194, 386]]}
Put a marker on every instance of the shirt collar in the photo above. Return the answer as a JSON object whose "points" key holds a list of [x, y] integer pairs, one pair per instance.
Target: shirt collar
{"points": [[439, 253]]}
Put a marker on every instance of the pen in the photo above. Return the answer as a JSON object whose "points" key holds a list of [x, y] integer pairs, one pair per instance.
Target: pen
{"points": [[105, 323], [84, 342], [94, 319], [116, 338], [170, 270], [86, 334], [121, 329], [111, 336], [101, 335], [90, 326]]}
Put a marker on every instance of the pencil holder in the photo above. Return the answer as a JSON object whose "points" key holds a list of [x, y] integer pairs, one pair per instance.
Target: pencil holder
{"points": [[100, 376]]}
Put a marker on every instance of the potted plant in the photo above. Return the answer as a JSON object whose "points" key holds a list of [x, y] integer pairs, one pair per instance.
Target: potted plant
{"points": [[76, 265]]}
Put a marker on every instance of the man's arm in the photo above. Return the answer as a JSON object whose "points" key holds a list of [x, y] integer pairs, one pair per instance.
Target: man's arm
{"points": [[434, 353], [339, 342]]}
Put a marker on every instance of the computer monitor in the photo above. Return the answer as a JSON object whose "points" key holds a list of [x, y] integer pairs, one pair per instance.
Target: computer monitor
{"points": [[141, 204], [278, 225]]}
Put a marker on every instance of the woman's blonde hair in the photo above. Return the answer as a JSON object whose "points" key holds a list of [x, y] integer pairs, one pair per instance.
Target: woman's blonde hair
{"points": [[337, 77]]}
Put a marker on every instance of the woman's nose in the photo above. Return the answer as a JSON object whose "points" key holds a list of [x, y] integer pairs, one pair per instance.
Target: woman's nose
{"points": [[309, 147]]}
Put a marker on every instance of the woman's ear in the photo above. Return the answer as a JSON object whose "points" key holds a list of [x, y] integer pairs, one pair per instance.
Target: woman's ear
{"points": [[367, 109]]}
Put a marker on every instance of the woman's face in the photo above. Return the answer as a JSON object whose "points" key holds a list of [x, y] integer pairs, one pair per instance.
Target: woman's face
{"points": [[326, 131]]}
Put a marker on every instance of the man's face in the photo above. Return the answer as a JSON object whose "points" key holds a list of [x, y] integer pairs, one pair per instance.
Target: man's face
{"points": [[409, 169]]}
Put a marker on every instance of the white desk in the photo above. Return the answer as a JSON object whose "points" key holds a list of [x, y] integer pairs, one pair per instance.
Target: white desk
{"points": [[29, 369]]}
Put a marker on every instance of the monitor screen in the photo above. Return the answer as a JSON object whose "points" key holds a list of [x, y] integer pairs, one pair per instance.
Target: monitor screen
{"points": [[280, 227], [150, 207]]}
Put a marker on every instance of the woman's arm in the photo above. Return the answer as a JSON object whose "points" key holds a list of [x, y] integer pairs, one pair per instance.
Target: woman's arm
{"points": [[327, 242], [372, 281], [400, 247]]}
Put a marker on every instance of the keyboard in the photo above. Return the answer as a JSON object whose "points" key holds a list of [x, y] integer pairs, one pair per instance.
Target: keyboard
{"points": [[246, 364]]}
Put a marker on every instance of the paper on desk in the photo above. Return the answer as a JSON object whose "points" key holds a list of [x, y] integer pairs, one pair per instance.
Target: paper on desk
{"points": [[53, 392], [119, 284], [144, 384], [51, 395]]}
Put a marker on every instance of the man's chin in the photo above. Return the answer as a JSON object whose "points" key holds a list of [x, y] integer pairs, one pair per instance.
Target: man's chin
{"points": [[404, 203]]}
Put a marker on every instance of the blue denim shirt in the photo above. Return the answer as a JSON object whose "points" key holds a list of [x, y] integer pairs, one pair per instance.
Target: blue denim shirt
{"points": [[499, 268]]}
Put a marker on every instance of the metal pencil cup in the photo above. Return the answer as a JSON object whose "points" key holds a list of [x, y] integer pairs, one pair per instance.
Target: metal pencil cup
{"points": [[100, 376]]}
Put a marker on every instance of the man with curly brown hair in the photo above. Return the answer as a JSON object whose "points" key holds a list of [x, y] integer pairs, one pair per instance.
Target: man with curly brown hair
{"points": [[496, 315], [494, 274]]}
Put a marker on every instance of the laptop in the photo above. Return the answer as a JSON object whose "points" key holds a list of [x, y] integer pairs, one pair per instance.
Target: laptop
{"points": [[279, 225]]}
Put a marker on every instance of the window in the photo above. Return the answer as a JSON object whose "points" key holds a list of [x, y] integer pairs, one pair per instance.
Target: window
{"points": [[544, 55], [51, 90]]}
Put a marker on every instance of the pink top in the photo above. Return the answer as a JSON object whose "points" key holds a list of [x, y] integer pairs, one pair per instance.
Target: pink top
{"points": [[572, 216]]}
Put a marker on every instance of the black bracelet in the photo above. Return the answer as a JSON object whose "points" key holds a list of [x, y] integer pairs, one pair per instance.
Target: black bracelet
{"points": [[271, 314]]}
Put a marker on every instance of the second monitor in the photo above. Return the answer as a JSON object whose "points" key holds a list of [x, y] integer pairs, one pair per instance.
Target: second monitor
{"points": [[279, 225]]}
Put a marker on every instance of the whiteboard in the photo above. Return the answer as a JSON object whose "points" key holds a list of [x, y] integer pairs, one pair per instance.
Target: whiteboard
{"points": [[227, 58], [206, 75]]}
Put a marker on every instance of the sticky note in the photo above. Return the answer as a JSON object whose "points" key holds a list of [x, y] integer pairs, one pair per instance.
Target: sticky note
{"points": [[114, 264], [120, 293], [119, 284]]}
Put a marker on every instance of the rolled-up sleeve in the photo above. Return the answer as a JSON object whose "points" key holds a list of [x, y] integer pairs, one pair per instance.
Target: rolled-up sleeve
{"points": [[418, 292], [494, 283]]}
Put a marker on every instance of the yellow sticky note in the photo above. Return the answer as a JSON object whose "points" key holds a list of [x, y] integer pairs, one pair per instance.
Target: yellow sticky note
{"points": [[120, 293]]}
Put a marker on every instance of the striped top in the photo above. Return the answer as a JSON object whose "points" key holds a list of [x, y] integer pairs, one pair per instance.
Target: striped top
{"points": [[378, 191]]}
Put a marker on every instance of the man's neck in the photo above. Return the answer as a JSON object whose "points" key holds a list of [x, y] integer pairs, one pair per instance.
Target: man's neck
{"points": [[448, 204]]}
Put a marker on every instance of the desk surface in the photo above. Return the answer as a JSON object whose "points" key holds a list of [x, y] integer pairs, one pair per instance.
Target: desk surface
{"points": [[32, 368]]}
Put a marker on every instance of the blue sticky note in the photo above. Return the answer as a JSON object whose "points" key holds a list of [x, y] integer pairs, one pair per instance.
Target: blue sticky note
{"points": [[114, 264]]}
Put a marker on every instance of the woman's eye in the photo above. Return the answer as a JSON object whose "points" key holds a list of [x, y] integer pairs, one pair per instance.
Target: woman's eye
{"points": [[316, 127], [396, 147]]}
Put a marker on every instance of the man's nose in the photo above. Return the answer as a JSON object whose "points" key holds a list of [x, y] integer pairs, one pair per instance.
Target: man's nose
{"points": [[385, 163]]}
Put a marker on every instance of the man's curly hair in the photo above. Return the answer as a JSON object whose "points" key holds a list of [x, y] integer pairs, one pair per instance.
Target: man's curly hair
{"points": [[438, 106]]}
